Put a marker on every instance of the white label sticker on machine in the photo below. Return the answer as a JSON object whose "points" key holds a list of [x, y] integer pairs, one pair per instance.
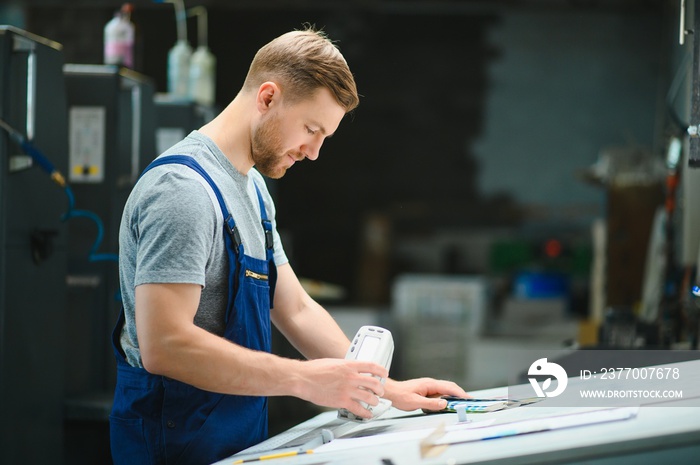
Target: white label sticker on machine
{"points": [[86, 162]]}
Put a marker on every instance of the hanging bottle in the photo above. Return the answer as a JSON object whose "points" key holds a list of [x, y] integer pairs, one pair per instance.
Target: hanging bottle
{"points": [[119, 38], [202, 76], [179, 56], [202, 85], [178, 69]]}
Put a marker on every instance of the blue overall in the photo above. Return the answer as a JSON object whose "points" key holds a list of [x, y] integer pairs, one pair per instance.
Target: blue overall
{"points": [[158, 420]]}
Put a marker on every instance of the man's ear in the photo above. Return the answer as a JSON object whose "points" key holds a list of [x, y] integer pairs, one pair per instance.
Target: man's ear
{"points": [[268, 96]]}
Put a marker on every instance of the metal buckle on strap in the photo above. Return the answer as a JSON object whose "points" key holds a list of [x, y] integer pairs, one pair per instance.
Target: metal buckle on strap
{"points": [[269, 243], [232, 230], [269, 240]]}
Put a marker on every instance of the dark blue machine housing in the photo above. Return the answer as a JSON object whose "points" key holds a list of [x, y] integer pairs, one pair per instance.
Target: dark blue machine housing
{"points": [[123, 140], [33, 251]]}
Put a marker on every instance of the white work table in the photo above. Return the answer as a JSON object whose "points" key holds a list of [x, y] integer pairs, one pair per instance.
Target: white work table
{"points": [[665, 432]]}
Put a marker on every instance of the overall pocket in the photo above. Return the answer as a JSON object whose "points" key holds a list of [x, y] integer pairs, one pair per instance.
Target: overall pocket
{"points": [[128, 441]]}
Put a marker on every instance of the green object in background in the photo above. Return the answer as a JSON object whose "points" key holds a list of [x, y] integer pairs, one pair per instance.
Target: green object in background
{"points": [[582, 255], [507, 256]]}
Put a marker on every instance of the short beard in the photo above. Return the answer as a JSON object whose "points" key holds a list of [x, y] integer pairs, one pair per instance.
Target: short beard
{"points": [[265, 149]]}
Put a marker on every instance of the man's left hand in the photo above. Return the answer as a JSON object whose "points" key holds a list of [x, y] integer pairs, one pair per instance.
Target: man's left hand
{"points": [[421, 393]]}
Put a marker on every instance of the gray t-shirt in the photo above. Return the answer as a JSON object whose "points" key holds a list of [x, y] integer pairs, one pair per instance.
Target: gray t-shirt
{"points": [[172, 232]]}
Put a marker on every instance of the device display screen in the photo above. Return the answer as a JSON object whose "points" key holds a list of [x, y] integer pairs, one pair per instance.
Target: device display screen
{"points": [[368, 348]]}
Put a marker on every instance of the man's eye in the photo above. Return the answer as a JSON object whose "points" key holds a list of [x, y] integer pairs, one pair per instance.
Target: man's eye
{"points": [[310, 131]]}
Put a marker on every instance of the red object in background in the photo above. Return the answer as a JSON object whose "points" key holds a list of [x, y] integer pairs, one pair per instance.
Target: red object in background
{"points": [[552, 248]]}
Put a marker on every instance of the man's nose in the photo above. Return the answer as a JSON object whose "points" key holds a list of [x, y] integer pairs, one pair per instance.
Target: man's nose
{"points": [[312, 150]]}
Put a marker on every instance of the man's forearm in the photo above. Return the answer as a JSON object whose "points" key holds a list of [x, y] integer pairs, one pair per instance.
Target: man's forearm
{"points": [[202, 359], [307, 325], [215, 364], [313, 331]]}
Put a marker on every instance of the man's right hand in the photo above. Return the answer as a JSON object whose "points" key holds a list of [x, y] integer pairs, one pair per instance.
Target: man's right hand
{"points": [[340, 383]]}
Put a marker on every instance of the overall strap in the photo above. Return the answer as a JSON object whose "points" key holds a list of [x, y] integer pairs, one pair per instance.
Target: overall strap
{"points": [[266, 224], [229, 223], [234, 245], [190, 162], [269, 246]]}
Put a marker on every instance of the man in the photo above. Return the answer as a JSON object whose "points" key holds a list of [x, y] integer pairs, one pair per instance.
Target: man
{"points": [[201, 262]]}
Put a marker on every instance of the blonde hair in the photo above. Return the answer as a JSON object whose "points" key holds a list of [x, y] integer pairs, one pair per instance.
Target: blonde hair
{"points": [[301, 62]]}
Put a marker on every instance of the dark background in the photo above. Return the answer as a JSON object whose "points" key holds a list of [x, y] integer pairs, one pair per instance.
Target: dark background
{"points": [[476, 121], [406, 158]]}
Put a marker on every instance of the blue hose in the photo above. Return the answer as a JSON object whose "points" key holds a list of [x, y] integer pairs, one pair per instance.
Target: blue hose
{"points": [[58, 178]]}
